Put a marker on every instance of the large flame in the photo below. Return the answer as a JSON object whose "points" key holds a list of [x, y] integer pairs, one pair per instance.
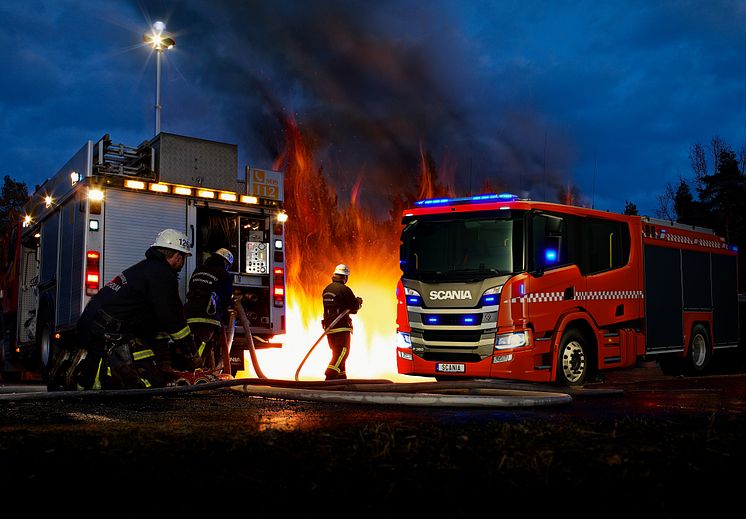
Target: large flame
{"points": [[320, 235]]}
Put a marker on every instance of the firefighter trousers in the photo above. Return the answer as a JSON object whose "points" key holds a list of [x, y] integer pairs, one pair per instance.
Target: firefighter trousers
{"points": [[339, 342]]}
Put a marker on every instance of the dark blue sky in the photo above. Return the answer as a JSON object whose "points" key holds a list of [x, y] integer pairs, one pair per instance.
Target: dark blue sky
{"points": [[607, 96]]}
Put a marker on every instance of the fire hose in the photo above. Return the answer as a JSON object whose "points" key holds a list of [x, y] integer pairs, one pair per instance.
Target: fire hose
{"points": [[374, 391], [473, 394], [228, 342], [247, 329], [326, 330]]}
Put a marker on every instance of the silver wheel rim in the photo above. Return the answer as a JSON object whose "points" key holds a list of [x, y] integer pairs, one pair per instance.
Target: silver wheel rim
{"points": [[699, 350], [46, 339], [573, 361]]}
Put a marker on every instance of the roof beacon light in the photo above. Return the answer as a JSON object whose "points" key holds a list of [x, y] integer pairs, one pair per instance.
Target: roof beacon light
{"points": [[493, 197]]}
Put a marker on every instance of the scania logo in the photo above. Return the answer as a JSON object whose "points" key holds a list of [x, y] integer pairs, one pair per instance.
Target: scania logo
{"points": [[450, 294]]}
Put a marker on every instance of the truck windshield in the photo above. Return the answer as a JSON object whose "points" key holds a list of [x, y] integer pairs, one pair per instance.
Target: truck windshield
{"points": [[461, 247]]}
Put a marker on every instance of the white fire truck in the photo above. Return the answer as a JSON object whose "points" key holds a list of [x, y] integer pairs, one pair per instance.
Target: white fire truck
{"points": [[103, 209]]}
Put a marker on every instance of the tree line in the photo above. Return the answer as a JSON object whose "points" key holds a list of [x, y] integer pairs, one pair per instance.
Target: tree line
{"points": [[714, 197]]}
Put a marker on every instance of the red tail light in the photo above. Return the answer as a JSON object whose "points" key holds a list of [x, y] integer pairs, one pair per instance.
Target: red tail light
{"points": [[92, 276], [278, 287]]}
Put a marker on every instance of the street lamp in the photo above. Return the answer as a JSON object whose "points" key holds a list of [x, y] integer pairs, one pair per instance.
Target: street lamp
{"points": [[160, 41]]}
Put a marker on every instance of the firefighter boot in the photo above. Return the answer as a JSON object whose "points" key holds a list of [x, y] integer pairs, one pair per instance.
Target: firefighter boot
{"points": [[123, 372], [163, 362]]}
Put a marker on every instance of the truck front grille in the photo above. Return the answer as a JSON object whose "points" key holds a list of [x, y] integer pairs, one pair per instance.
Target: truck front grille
{"points": [[451, 357], [452, 335]]}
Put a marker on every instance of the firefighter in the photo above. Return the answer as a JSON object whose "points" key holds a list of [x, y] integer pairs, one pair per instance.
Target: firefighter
{"points": [[338, 297], [121, 324], [208, 300]]}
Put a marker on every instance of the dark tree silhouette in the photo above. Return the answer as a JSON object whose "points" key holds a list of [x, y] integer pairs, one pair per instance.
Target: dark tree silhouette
{"points": [[14, 196]]}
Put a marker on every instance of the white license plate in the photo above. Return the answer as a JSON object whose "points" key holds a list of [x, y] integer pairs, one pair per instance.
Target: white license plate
{"points": [[450, 368]]}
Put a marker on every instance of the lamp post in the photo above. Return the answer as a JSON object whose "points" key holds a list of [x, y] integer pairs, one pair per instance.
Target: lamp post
{"points": [[159, 41]]}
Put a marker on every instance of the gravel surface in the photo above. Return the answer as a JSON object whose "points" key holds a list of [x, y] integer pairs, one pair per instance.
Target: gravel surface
{"points": [[221, 451]]}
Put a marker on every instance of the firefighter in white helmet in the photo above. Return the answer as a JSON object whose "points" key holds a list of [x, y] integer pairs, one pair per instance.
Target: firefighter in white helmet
{"points": [[338, 297], [128, 324], [208, 301]]}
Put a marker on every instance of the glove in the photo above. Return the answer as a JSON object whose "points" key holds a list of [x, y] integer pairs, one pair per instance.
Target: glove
{"points": [[359, 302], [185, 354]]}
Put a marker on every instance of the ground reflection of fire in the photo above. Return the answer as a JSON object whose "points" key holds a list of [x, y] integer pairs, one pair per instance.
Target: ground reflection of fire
{"points": [[319, 235]]}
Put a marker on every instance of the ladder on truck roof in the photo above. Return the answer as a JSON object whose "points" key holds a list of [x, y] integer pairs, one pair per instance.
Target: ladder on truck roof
{"points": [[123, 161], [677, 225]]}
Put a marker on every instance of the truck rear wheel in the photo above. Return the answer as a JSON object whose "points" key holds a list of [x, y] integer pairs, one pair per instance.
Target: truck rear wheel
{"points": [[573, 360], [700, 352]]}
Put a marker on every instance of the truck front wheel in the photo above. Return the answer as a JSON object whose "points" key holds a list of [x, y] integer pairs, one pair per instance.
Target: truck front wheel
{"points": [[573, 361], [45, 342]]}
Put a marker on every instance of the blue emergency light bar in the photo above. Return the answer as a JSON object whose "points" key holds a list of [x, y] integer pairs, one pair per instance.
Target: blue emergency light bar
{"points": [[501, 197]]}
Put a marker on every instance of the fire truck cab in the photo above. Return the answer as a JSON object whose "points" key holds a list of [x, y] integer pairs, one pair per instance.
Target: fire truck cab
{"points": [[103, 209], [494, 286]]}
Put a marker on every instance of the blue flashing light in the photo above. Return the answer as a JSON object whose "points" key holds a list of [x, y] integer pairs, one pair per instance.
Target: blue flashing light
{"points": [[414, 300], [734, 248], [522, 289], [480, 198], [489, 300], [550, 255], [433, 319], [433, 201], [502, 197], [468, 319]]}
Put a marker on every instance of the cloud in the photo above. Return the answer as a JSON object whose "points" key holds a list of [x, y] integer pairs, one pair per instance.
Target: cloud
{"points": [[528, 94]]}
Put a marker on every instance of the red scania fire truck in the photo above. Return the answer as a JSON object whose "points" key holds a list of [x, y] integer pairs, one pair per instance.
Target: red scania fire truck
{"points": [[101, 211], [496, 286]]}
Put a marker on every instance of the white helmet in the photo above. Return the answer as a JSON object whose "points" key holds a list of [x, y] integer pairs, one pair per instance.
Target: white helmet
{"points": [[226, 254], [173, 239], [342, 270]]}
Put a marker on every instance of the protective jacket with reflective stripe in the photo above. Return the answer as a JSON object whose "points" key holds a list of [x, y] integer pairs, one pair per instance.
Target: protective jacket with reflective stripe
{"points": [[338, 297], [144, 299], [210, 290]]}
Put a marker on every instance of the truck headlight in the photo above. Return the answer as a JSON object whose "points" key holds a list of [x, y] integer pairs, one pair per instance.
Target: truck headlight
{"points": [[506, 341], [403, 340], [491, 296], [413, 297]]}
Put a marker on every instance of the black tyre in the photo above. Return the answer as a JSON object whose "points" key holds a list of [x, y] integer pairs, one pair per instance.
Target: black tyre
{"points": [[45, 342], [574, 360], [700, 351]]}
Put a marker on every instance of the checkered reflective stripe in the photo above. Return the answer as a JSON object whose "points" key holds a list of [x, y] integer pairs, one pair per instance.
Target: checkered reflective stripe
{"points": [[679, 238], [596, 295], [539, 297], [609, 294]]}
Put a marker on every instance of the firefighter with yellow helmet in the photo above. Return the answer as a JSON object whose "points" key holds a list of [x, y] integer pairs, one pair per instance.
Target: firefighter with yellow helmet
{"points": [[124, 325], [338, 298]]}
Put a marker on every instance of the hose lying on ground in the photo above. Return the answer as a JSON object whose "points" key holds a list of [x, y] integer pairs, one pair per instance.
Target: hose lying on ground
{"points": [[496, 397], [466, 393], [171, 390]]}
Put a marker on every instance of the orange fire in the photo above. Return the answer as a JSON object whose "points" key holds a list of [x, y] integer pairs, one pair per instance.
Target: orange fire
{"points": [[320, 235]]}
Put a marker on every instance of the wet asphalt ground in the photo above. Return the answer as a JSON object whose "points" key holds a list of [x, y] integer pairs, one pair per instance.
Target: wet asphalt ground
{"points": [[645, 444]]}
